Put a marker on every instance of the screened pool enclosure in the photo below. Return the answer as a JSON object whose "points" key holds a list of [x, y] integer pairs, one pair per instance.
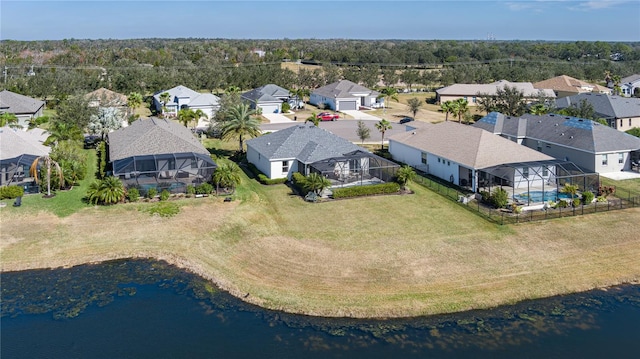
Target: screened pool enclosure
{"points": [[356, 168], [171, 171]]}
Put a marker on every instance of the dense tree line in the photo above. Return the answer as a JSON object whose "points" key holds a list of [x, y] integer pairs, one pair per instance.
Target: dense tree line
{"points": [[57, 69]]}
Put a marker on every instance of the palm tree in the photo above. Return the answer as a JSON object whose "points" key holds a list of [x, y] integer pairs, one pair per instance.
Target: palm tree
{"points": [[232, 89], [48, 162], [62, 131], [185, 116], [570, 189], [382, 126], [447, 107], [239, 124], [313, 119], [111, 190], [316, 183], [461, 107], [227, 175], [9, 119], [404, 175], [538, 109], [134, 100], [197, 115], [388, 93], [164, 98]]}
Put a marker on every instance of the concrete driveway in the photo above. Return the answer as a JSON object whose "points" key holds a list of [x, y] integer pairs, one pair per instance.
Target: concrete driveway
{"points": [[359, 115], [277, 118]]}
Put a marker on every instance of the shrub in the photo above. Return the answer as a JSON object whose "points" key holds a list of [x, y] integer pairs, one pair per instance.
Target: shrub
{"points": [[152, 192], [164, 195], [190, 190], [563, 204], [486, 196], [356, 191], [576, 202], [499, 198], [163, 209], [587, 197], [204, 188], [133, 194], [298, 180], [268, 181], [285, 107], [11, 192]]}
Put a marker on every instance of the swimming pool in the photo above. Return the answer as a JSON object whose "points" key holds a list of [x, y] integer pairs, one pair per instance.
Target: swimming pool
{"points": [[539, 196]]}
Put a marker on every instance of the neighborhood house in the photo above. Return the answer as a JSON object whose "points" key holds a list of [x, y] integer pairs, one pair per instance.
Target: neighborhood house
{"points": [[181, 97], [470, 92], [18, 150], [345, 95], [23, 107], [622, 113], [269, 98]]}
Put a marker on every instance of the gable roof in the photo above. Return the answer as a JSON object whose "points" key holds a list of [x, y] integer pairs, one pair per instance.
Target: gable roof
{"points": [[606, 106], [267, 93], [12, 102], [630, 79], [15, 143], [152, 137], [490, 89], [469, 146], [107, 98], [344, 89], [566, 84], [195, 98], [306, 143], [578, 133]]}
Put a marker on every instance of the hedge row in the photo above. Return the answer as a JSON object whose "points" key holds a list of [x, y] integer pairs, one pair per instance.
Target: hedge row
{"points": [[298, 181], [262, 178], [355, 191], [11, 192]]}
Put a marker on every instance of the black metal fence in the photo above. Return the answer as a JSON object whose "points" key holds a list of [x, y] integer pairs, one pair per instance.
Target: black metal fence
{"points": [[467, 200]]}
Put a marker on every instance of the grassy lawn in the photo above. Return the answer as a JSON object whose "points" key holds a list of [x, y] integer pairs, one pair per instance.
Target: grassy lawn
{"points": [[378, 256], [623, 187]]}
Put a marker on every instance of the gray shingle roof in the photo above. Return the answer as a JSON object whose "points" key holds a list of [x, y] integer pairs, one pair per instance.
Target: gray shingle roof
{"points": [[469, 146], [16, 142], [19, 104], [306, 143], [343, 89], [567, 131], [152, 137], [196, 98], [267, 93], [630, 79], [606, 106]]}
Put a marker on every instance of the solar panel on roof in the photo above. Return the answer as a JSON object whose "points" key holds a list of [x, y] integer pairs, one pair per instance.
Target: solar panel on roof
{"points": [[490, 118], [579, 123]]}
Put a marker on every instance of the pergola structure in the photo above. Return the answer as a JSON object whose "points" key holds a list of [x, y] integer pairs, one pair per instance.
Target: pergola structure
{"points": [[540, 176], [356, 168]]}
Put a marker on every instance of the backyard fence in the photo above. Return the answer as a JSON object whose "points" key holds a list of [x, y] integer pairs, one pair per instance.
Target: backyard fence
{"points": [[501, 216]]}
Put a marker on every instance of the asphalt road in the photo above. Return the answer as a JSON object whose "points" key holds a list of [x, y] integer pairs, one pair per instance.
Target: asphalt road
{"points": [[343, 128]]}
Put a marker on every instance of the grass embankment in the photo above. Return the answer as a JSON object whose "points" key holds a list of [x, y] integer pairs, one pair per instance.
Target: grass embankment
{"points": [[369, 257]]}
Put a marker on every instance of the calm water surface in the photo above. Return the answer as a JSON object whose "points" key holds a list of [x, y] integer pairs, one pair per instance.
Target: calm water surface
{"points": [[148, 309]]}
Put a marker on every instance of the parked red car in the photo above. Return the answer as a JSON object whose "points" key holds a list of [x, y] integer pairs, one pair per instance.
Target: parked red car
{"points": [[326, 116]]}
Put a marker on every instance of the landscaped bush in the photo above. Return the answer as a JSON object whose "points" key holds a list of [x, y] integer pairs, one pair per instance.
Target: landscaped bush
{"points": [[486, 196], [164, 195], [576, 202], [356, 191], [152, 192], [163, 209], [285, 107], [204, 188], [499, 198], [190, 190], [298, 180], [562, 204], [587, 197], [268, 181], [133, 194], [11, 192]]}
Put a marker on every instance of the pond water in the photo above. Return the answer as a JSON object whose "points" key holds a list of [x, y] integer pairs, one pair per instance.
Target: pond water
{"points": [[148, 309]]}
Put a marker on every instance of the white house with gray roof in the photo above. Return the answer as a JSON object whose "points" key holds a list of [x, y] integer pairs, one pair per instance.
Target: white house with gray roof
{"points": [[588, 144], [183, 97], [159, 153], [622, 113], [471, 92], [268, 97], [23, 107], [630, 85], [345, 95], [464, 155], [281, 153]]}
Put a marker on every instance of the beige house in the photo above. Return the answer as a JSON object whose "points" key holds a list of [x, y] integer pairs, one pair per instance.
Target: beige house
{"points": [[470, 92], [564, 86]]}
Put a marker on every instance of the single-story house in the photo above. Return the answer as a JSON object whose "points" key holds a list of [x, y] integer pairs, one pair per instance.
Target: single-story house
{"points": [[18, 150], [183, 97], [345, 95], [159, 153], [25, 108], [306, 148], [465, 155], [564, 86], [592, 146], [268, 97], [622, 113], [111, 101], [630, 85], [471, 92]]}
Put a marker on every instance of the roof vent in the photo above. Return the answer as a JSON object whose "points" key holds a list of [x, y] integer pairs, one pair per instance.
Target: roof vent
{"points": [[539, 121], [556, 124], [570, 136], [268, 143], [413, 133], [562, 134]]}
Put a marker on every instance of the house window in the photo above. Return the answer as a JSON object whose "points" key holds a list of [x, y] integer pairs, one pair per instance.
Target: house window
{"points": [[545, 171], [473, 99], [620, 122], [448, 163], [620, 157], [525, 172], [285, 166], [629, 122], [423, 159], [605, 160], [438, 159]]}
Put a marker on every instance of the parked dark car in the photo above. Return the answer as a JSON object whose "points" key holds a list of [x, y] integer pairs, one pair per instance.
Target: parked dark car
{"points": [[406, 119], [91, 141]]}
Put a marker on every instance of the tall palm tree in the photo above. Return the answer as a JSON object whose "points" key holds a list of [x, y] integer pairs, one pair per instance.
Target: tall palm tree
{"points": [[382, 126], [461, 107], [227, 175], [48, 162], [240, 124], [447, 107], [62, 131], [388, 93], [164, 98], [134, 100], [185, 116], [197, 115]]}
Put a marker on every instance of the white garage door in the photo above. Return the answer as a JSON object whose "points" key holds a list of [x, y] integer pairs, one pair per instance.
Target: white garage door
{"points": [[270, 108], [347, 105]]}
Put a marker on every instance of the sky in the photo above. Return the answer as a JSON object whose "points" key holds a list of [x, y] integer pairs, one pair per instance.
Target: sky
{"points": [[559, 20]]}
